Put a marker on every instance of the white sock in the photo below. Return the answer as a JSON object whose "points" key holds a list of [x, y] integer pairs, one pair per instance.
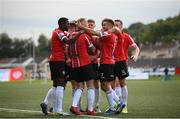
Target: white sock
{"points": [[115, 97], [124, 94], [90, 98], [109, 95], [118, 92], [76, 97], [59, 97], [54, 102], [97, 97], [49, 95], [79, 103]]}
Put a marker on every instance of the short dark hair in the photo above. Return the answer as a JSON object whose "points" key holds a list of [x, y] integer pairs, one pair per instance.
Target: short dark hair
{"points": [[107, 20], [118, 20], [62, 20], [91, 20]]}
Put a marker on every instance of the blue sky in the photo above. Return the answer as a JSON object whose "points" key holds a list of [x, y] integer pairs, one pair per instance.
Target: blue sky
{"points": [[19, 18]]}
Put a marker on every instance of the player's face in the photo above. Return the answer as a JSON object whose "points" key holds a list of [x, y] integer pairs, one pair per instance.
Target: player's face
{"points": [[71, 29], [106, 26], [91, 25], [65, 26], [118, 24]]}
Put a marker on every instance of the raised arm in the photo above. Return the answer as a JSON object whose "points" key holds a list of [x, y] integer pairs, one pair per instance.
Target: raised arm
{"points": [[72, 40], [115, 30], [88, 30]]}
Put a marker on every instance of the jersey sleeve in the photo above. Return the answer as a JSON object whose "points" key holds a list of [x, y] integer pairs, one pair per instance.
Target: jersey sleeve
{"points": [[104, 34], [130, 40], [89, 41], [62, 36], [67, 34]]}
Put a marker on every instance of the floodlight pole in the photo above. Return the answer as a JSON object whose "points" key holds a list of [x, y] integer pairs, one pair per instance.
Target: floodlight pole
{"points": [[151, 58], [34, 62], [33, 40], [177, 47]]}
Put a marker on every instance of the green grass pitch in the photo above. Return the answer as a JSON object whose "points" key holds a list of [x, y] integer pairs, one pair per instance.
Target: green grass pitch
{"points": [[154, 98]]}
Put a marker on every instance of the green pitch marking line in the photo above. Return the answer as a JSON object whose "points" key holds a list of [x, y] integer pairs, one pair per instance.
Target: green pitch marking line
{"points": [[39, 112]]}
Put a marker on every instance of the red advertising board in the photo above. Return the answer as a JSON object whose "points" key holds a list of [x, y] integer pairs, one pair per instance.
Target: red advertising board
{"points": [[16, 73], [178, 70]]}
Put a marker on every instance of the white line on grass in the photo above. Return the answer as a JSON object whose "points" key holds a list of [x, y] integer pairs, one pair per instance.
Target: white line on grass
{"points": [[39, 112], [19, 110], [99, 117]]}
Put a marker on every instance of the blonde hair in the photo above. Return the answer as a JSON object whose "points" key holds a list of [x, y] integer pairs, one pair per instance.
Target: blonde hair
{"points": [[81, 19]]}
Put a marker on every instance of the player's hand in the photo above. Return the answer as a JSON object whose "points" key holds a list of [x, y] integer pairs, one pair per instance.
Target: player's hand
{"points": [[115, 30], [95, 37], [134, 58], [68, 62]]}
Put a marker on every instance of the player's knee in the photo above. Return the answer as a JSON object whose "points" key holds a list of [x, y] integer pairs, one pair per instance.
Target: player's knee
{"points": [[80, 85], [123, 83], [90, 83], [61, 82], [80, 89], [96, 84], [113, 84], [104, 87], [90, 88]]}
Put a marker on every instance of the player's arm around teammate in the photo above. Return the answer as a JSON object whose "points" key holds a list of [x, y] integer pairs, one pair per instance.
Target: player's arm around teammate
{"points": [[106, 70]]}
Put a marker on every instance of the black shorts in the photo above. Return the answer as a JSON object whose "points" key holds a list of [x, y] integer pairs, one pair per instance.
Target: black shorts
{"points": [[57, 69], [83, 73], [121, 70], [106, 72], [68, 73], [95, 69]]}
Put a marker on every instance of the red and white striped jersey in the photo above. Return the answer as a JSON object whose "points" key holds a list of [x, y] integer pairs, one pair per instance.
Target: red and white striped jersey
{"points": [[79, 51]]}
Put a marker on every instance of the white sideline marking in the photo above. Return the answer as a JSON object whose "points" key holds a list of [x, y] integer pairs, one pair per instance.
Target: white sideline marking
{"points": [[19, 110], [39, 112], [99, 117]]}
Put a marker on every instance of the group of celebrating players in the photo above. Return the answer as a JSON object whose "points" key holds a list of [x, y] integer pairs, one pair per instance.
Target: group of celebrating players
{"points": [[98, 58]]}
